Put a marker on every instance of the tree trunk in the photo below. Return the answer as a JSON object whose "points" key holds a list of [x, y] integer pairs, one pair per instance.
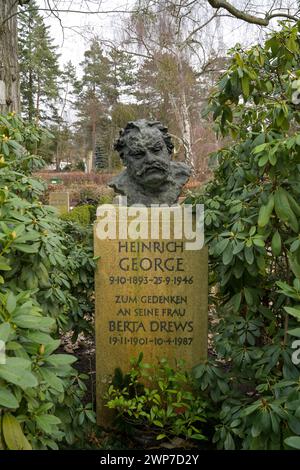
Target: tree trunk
{"points": [[185, 124], [9, 71], [185, 121], [94, 140], [57, 157], [37, 105], [30, 77], [182, 113]]}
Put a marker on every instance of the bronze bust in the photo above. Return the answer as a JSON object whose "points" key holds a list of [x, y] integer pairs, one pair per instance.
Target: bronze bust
{"points": [[150, 176]]}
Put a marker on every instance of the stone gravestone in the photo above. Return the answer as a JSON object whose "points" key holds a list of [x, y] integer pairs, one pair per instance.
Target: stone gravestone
{"points": [[60, 200], [151, 286]]}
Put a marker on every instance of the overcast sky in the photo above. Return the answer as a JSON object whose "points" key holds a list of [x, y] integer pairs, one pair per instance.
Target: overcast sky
{"points": [[72, 31]]}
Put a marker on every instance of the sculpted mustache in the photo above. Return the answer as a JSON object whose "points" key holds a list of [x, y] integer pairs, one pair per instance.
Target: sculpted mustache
{"points": [[151, 167]]}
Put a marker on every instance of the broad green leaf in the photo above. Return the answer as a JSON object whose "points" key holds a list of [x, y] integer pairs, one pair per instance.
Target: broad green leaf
{"points": [[259, 140], [235, 301], [51, 379], [91, 416], [227, 255], [276, 244], [293, 441], [161, 436], [249, 256], [258, 242], [256, 429], [283, 209], [58, 360], [294, 332], [7, 399], [250, 409], [294, 311], [5, 331], [16, 371], [245, 86], [26, 248], [294, 424], [259, 148], [293, 204], [34, 322], [294, 266], [38, 337], [248, 296], [46, 422], [11, 302], [13, 434], [4, 266], [5, 149], [273, 158], [221, 246], [263, 160], [295, 245], [229, 442], [265, 212], [239, 246]]}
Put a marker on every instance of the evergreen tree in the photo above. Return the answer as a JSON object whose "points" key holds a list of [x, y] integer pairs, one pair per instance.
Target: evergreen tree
{"points": [[106, 77], [66, 88], [96, 80], [39, 68], [101, 159], [64, 103], [91, 95], [122, 74]]}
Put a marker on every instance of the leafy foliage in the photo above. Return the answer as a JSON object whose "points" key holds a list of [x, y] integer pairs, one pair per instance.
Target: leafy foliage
{"points": [[40, 392], [168, 407], [80, 214], [252, 228]]}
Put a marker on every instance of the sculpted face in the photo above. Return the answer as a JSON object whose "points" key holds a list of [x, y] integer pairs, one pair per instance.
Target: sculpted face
{"points": [[146, 157], [150, 176]]}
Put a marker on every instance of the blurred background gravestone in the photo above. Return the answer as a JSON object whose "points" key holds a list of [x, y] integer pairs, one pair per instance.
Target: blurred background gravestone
{"points": [[60, 200]]}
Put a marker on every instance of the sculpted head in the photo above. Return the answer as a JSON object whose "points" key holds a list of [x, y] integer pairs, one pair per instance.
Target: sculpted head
{"points": [[146, 148]]}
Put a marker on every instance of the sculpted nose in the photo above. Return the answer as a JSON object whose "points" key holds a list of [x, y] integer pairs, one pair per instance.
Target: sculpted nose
{"points": [[150, 156], [154, 157]]}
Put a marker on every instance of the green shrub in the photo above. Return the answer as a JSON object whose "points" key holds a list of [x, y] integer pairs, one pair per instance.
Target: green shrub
{"points": [[40, 393], [80, 214], [168, 406], [252, 229], [95, 194], [80, 271], [106, 199]]}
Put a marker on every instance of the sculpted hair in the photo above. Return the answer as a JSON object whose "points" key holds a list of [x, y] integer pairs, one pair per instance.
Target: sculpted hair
{"points": [[121, 143]]}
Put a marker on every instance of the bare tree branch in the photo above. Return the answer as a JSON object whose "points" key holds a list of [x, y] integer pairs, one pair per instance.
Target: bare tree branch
{"points": [[82, 12], [243, 15], [201, 26]]}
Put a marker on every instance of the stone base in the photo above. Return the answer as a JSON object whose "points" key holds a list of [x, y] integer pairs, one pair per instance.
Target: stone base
{"points": [[151, 297]]}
